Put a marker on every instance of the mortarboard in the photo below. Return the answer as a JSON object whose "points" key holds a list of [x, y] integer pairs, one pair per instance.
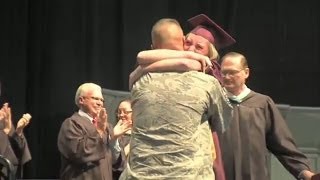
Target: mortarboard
{"points": [[203, 26]]}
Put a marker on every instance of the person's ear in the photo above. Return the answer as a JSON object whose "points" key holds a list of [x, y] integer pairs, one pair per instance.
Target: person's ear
{"points": [[81, 99], [183, 40], [247, 72]]}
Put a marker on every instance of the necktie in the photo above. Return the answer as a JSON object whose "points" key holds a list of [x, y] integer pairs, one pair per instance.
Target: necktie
{"points": [[94, 122]]}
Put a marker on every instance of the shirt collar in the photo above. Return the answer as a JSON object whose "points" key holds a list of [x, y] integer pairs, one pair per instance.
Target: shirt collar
{"points": [[83, 114], [241, 96]]}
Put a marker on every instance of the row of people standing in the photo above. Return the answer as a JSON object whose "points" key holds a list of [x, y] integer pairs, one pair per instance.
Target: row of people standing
{"points": [[176, 117]]}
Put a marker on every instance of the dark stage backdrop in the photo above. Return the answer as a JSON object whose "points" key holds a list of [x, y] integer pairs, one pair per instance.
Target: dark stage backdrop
{"points": [[49, 47]]}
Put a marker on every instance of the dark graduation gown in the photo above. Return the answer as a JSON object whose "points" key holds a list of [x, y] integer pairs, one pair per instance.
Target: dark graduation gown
{"points": [[84, 154], [15, 148], [257, 128]]}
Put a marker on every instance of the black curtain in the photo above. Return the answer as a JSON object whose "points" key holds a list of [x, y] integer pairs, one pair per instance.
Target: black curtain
{"points": [[49, 47]]}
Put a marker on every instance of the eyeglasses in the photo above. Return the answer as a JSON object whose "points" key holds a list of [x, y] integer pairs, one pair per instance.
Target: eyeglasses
{"points": [[95, 98], [231, 73], [124, 112]]}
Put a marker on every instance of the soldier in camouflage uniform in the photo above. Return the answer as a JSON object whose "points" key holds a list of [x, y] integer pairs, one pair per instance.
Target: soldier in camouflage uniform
{"points": [[171, 137]]}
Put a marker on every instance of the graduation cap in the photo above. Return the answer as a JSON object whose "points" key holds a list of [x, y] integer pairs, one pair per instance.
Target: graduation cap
{"points": [[203, 26]]}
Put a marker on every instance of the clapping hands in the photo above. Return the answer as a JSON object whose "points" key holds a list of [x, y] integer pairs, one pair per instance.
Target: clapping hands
{"points": [[22, 123], [102, 120], [5, 115], [121, 128]]}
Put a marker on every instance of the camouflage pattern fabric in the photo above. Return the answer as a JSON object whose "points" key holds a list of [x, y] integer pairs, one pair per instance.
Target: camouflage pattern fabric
{"points": [[171, 137]]}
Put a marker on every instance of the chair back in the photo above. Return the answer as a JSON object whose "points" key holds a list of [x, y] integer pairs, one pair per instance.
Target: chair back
{"points": [[7, 169]]}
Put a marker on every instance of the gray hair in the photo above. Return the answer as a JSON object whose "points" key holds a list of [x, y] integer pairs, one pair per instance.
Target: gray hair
{"points": [[84, 89]]}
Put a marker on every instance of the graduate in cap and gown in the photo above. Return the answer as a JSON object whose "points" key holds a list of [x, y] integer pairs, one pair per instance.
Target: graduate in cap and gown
{"points": [[206, 28]]}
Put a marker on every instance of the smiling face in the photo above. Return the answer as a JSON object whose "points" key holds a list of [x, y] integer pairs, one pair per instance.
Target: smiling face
{"points": [[124, 112], [90, 99]]}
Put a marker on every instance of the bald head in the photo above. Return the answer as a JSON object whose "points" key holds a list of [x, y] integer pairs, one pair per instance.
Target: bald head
{"points": [[167, 34], [242, 61]]}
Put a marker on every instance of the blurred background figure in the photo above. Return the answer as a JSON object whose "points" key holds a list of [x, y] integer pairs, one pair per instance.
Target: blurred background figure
{"points": [[123, 115], [13, 144]]}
